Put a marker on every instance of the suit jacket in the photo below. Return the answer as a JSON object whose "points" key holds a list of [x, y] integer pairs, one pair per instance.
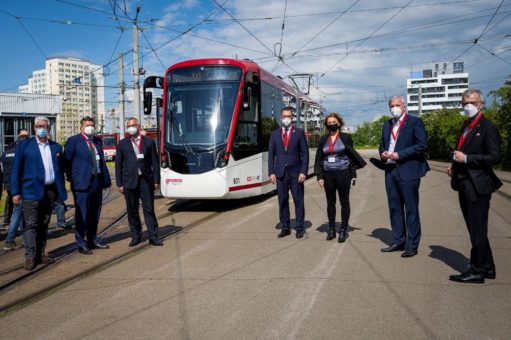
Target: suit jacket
{"points": [[356, 162], [27, 178], [411, 145], [79, 163], [482, 147], [295, 159], [127, 164]]}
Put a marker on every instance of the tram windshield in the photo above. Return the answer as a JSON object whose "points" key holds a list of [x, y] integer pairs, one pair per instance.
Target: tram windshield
{"points": [[200, 104], [109, 141]]}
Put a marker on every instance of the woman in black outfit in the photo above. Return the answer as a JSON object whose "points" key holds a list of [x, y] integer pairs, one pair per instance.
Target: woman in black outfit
{"points": [[335, 167]]}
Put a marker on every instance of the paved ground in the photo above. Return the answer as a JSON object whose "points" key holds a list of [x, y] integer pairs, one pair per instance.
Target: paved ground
{"points": [[231, 278]]}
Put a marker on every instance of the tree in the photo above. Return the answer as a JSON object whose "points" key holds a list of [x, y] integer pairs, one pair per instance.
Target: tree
{"points": [[500, 114], [443, 127], [369, 133]]}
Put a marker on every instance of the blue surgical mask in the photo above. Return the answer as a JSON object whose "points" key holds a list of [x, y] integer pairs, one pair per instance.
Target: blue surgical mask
{"points": [[41, 132]]}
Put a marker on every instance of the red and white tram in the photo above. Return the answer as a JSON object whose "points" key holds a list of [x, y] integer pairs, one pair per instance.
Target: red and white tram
{"points": [[216, 119]]}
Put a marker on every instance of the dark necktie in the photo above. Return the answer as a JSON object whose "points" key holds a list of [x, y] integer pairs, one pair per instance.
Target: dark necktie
{"points": [[93, 156]]}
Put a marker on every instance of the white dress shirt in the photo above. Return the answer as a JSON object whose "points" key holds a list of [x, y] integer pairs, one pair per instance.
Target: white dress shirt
{"points": [[135, 142], [49, 173], [395, 128]]}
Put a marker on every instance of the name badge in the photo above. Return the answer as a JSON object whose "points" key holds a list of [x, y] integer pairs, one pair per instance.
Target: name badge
{"points": [[140, 156], [331, 159], [98, 158]]}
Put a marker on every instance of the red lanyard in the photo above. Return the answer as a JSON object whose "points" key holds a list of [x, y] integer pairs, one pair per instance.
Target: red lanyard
{"points": [[286, 137], [88, 141], [139, 145], [467, 130], [331, 145], [394, 135]]}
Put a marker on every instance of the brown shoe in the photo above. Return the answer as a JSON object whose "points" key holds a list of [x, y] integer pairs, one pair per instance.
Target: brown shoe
{"points": [[29, 264], [45, 259]]}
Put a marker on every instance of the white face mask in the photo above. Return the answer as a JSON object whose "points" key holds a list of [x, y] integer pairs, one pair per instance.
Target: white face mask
{"points": [[132, 130], [396, 112], [286, 122], [89, 130], [470, 110]]}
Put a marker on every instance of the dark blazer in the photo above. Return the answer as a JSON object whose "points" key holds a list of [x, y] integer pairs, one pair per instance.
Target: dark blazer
{"points": [[295, 159], [127, 164], [27, 177], [356, 161], [79, 163], [411, 146], [482, 148]]}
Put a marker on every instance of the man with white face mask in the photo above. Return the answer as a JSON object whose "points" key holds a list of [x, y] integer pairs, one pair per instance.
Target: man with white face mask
{"points": [[477, 150], [137, 175], [288, 163], [87, 171], [403, 147]]}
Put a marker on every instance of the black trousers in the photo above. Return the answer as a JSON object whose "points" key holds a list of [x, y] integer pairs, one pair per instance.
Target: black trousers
{"points": [[9, 206], [475, 210], [36, 215], [337, 182], [144, 192]]}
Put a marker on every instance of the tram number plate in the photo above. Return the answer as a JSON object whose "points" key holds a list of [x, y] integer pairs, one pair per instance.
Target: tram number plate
{"points": [[236, 180]]}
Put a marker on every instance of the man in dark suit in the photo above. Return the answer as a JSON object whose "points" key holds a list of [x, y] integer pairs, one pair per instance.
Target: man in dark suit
{"points": [[472, 176], [137, 175], [37, 179], [288, 162], [87, 171], [403, 146]]}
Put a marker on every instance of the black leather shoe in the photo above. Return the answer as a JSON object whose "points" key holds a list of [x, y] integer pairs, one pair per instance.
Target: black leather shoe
{"points": [[468, 277], [299, 234], [343, 235], [490, 274], [331, 234], [156, 242], [393, 247], [409, 253], [84, 250], [98, 245], [284, 233], [134, 242]]}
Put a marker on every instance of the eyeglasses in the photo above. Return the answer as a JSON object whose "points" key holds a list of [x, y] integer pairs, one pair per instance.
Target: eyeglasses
{"points": [[41, 126], [474, 103], [136, 125], [286, 116]]}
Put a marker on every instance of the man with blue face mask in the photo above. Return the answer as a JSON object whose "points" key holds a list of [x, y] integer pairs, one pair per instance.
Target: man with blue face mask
{"points": [[477, 150], [38, 180]]}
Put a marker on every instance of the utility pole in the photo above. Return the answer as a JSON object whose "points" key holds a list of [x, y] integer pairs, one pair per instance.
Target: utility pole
{"points": [[121, 89], [420, 100], [136, 74]]}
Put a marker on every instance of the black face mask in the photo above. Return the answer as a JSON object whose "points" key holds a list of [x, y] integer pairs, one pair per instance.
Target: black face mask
{"points": [[333, 127]]}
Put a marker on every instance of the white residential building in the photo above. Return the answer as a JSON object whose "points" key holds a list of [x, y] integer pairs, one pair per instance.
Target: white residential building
{"points": [[79, 83], [433, 89]]}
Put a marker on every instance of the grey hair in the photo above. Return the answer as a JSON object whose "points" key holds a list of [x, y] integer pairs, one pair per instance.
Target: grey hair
{"points": [[132, 118], [395, 98], [469, 92], [41, 118]]}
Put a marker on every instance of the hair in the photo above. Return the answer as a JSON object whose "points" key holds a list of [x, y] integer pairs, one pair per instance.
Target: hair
{"points": [[87, 119], [472, 91], [22, 129], [132, 118], [41, 119], [336, 116], [287, 108], [395, 98]]}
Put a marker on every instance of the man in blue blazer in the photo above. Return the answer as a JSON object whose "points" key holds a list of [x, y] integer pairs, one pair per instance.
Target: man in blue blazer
{"points": [[38, 180], [87, 171], [403, 146], [288, 162]]}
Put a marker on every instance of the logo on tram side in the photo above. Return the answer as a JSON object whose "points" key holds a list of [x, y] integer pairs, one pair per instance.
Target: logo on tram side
{"points": [[174, 181]]}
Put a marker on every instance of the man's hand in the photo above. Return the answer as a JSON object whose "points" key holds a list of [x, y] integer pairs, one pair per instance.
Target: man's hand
{"points": [[121, 190], [449, 172], [301, 178], [385, 155], [156, 186], [394, 156], [273, 179], [459, 157], [16, 199], [321, 183]]}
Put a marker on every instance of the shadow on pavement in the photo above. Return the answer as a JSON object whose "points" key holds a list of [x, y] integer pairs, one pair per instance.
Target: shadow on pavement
{"points": [[324, 228], [307, 224], [452, 258], [382, 234]]}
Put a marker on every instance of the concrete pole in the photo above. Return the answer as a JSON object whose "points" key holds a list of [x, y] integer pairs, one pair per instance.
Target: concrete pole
{"points": [[121, 91], [136, 102], [420, 100]]}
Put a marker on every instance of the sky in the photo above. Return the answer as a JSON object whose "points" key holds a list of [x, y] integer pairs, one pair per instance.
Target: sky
{"points": [[359, 52]]}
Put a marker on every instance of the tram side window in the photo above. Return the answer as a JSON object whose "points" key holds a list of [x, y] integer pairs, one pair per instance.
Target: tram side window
{"points": [[247, 141], [271, 99]]}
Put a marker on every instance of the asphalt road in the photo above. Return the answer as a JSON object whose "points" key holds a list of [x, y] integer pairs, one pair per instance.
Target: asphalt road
{"points": [[229, 277]]}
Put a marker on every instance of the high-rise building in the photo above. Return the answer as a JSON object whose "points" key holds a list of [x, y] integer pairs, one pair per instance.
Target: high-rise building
{"points": [[80, 85], [433, 89]]}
